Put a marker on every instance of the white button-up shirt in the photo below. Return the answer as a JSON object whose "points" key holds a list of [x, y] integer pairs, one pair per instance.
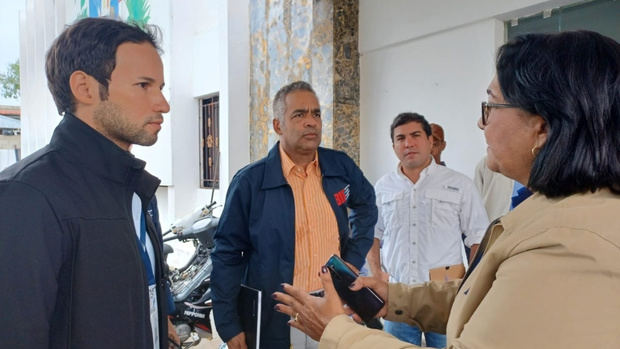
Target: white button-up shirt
{"points": [[420, 224]]}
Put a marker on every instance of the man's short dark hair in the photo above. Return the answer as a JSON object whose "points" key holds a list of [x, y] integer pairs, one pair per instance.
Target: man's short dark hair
{"points": [[405, 118], [572, 81], [279, 103], [89, 45]]}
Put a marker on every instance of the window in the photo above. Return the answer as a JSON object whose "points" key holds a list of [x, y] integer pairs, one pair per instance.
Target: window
{"points": [[210, 142], [598, 15]]}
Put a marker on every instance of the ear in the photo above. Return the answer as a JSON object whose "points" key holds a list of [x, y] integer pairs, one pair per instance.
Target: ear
{"points": [[276, 126], [85, 88], [541, 130]]}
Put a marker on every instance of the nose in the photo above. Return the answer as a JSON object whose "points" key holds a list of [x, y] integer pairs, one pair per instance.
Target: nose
{"points": [[161, 104], [409, 142], [311, 121]]}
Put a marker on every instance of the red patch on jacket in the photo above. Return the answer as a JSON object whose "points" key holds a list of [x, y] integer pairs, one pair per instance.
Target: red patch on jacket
{"points": [[342, 196]]}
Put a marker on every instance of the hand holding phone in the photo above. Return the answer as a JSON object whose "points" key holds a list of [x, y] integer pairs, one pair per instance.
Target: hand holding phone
{"points": [[365, 302]]}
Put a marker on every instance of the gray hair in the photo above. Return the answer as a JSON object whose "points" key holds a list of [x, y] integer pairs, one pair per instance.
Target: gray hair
{"points": [[279, 104]]}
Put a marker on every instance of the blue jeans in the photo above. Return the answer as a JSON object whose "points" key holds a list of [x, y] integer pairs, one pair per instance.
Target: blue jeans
{"points": [[413, 334]]}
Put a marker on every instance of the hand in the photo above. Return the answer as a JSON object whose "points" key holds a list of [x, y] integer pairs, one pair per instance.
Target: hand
{"points": [[377, 285], [357, 271], [310, 314], [379, 274], [173, 336], [237, 342], [383, 276]]}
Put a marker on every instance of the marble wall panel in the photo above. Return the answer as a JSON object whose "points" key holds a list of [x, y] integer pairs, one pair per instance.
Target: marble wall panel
{"points": [[299, 40], [346, 77]]}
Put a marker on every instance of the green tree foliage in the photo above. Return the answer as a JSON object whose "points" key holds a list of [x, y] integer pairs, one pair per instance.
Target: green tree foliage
{"points": [[139, 11], [9, 82]]}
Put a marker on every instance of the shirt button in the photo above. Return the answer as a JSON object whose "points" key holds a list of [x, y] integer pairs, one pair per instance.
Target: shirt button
{"points": [[413, 243]]}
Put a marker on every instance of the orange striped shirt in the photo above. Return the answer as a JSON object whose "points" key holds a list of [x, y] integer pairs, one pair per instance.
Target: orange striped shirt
{"points": [[316, 228]]}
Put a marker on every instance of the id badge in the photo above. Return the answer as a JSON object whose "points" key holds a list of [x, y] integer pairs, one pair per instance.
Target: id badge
{"points": [[154, 315]]}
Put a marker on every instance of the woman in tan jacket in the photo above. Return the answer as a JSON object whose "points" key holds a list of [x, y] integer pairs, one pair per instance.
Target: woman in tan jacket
{"points": [[549, 272]]}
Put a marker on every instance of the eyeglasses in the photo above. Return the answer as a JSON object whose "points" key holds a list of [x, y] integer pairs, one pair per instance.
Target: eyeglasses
{"points": [[486, 108]]}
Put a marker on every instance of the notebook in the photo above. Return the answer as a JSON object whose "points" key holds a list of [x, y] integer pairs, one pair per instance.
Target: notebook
{"points": [[250, 313]]}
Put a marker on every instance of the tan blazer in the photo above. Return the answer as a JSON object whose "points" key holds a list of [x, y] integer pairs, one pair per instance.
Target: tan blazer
{"points": [[549, 278]]}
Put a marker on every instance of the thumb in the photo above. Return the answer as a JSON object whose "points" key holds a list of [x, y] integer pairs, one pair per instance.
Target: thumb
{"points": [[363, 281], [328, 284]]}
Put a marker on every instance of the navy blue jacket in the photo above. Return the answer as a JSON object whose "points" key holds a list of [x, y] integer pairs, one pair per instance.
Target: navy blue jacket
{"points": [[72, 272], [255, 240]]}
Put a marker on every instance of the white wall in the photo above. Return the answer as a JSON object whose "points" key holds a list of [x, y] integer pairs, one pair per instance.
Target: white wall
{"points": [[235, 102], [392, 22], [435, 58], [158, 157], [209, 54], [182, 195]]}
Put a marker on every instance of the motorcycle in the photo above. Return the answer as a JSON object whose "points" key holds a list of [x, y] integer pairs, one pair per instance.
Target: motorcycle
{"points": [[190, 284]]}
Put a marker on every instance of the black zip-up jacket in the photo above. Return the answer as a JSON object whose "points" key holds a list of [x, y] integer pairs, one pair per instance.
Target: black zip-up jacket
{"points": [[72, 276]]}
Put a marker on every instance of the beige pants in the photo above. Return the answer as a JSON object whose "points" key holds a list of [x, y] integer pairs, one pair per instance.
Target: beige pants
{"points": [[300, 340]]}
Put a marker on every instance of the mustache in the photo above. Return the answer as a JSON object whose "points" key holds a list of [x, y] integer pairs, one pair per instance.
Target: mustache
{"points": [[159, 119]]}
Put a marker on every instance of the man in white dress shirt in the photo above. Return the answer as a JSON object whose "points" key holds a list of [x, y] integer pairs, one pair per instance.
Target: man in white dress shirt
{"points": [[423, 210]]}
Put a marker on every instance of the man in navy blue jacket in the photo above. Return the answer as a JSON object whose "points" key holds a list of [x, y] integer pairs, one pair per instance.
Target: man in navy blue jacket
{"points": [[256, 240]]}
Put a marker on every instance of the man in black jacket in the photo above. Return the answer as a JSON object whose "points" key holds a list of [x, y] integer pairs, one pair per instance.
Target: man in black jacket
{"points": [[82, 265]]}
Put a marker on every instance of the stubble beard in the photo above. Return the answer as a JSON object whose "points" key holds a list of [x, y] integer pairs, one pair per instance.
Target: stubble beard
{"points": [[115, 125], [419, 163]]}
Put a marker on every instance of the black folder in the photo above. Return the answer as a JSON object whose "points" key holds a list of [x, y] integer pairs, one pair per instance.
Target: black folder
{"points": [[249, 311]]}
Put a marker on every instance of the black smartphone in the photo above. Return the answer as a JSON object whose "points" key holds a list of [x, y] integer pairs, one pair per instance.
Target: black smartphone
{"points": [[365, 302]]}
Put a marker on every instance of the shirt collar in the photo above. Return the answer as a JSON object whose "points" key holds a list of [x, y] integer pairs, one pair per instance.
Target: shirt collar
{"points": [[83, 145], [427, 171], [288, 165]]}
